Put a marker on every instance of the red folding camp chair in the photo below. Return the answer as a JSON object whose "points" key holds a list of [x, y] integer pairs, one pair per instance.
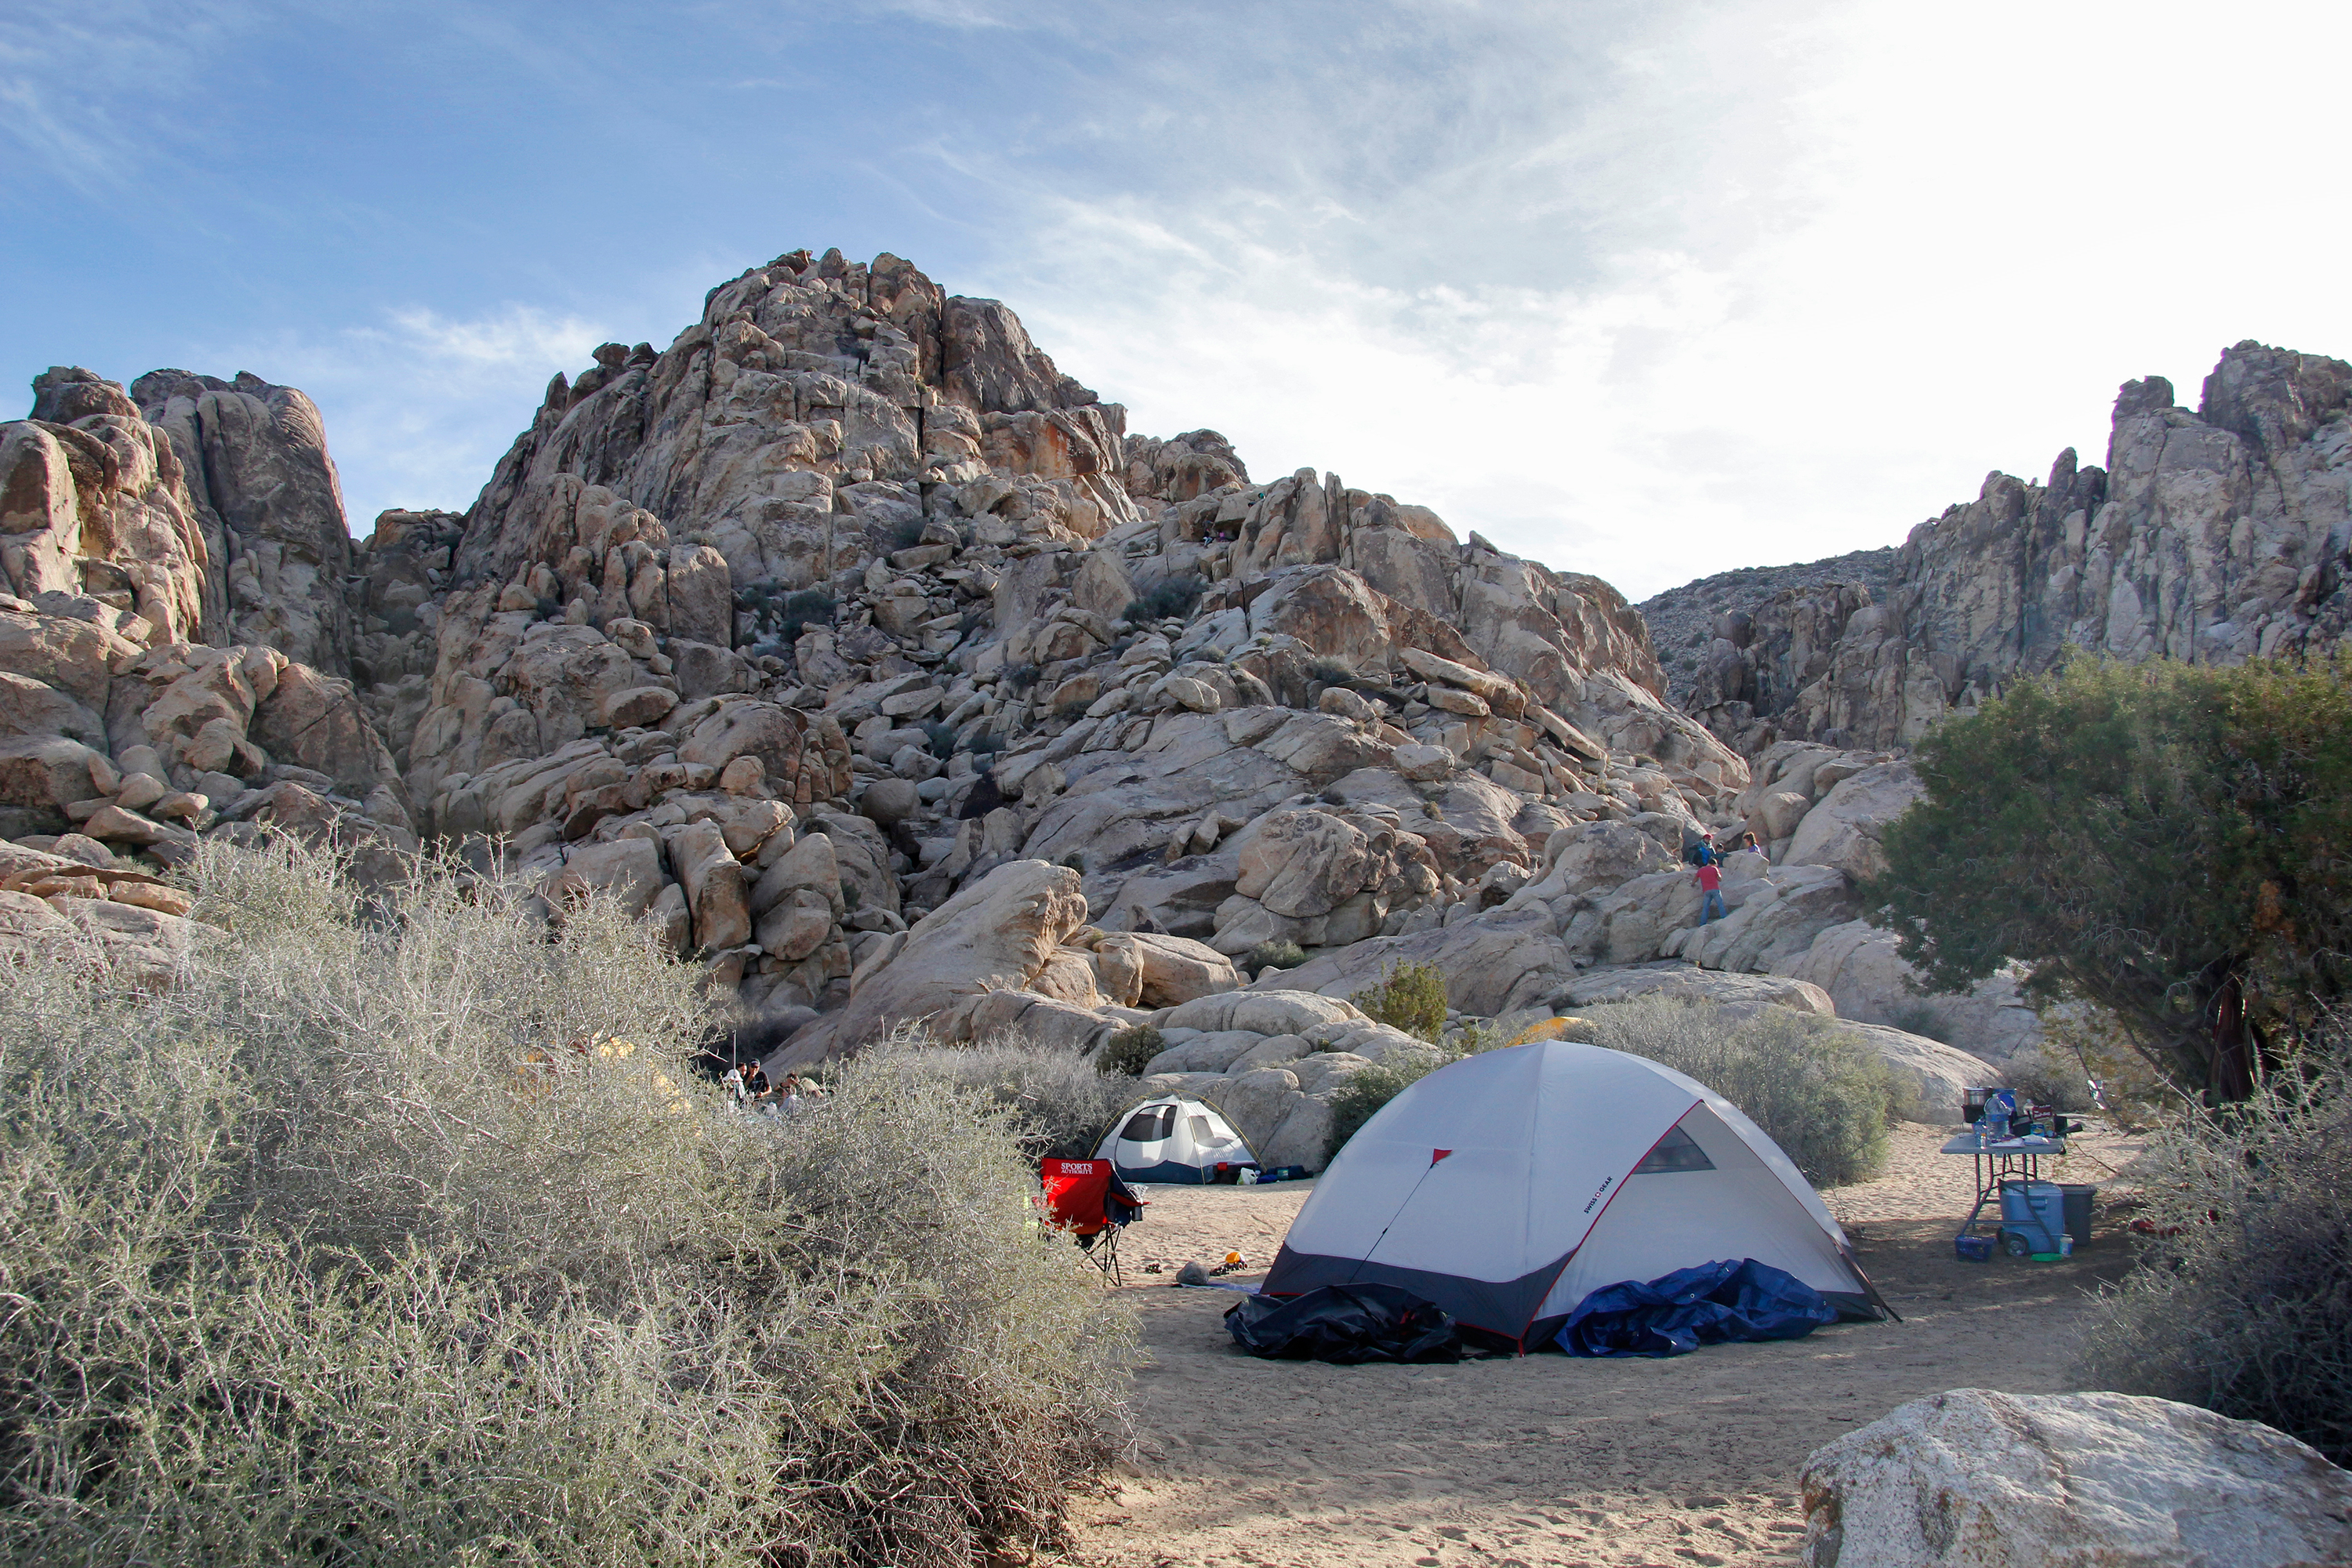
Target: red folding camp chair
{"points": [[1085, 1200]]}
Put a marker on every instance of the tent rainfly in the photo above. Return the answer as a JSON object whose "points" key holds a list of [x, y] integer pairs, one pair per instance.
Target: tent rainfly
{"points": [[1174, 1138], [1508, 1186]]}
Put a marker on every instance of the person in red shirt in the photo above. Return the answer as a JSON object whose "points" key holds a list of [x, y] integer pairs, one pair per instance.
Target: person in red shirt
{"points": [[1709, 877]]}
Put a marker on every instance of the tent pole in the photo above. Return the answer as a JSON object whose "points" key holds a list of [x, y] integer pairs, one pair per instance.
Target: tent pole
{"points": [[1854, 1263]]}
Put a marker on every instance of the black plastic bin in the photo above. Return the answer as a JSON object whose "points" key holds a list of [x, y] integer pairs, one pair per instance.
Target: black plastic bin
{"points": [[2076, 1200]]}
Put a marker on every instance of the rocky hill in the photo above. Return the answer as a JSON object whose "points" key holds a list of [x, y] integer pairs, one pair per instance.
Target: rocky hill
{"points": [[871, 661], [2218, 534], [1685, 621]]}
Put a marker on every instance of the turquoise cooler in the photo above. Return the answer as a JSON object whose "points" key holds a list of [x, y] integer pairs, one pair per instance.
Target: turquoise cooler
{"points": [[2036, 1210]]}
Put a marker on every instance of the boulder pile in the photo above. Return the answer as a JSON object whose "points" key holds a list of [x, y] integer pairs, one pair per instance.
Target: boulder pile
{"points": [[871, 661]]}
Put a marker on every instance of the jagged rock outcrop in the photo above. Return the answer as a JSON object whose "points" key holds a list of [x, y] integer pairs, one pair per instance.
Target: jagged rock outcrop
{"points": [[2218, 534], [266, 494], [798, 635]]}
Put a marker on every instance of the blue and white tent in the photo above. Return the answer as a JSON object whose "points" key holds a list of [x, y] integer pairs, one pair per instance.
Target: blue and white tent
{"points": [[1174, 1138], [1508, 1186]]}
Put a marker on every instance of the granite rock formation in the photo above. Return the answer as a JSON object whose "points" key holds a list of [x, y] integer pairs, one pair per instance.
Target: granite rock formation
{"points": [[869, 660], [2215, 535]]}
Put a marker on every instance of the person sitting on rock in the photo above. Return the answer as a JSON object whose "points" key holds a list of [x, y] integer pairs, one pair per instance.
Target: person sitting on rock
{"points": [[1709, 877]]}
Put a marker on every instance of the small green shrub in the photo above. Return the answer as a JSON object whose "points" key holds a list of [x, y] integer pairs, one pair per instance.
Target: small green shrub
{"points": [[1817, 1089], [1125, 1054], [1921, 1019], [1285, 954], [2244, 1303], [1359, 1099], [941, 738], [801, 609], [2043, 1076], [1170, 598], [987, 743], [1409, 996], [1020, 677], [1330, 671]]}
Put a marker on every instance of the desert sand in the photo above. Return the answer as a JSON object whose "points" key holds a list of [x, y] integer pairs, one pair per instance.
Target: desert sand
{"points": [[1547, 1459]]}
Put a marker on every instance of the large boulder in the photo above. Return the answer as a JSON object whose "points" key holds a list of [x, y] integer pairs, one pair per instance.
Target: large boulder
{"points": [[1930, 1076], [1843, 830], [1492, 962], [1302, 863], [1861, 968], [1172, 970], [1271, 1010], [1745, 992], [1973, 1479], [997, 934], [1772, 918]]}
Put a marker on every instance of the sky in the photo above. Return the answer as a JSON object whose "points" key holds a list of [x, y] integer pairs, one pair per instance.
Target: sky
{"points": [[1646, 289]]}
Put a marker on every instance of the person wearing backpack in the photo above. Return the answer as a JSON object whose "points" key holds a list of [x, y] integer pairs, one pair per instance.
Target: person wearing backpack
{"points": [[1709, 877]]}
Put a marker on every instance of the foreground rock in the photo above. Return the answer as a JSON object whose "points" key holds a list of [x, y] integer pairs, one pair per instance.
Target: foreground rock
{"points": [[1974, 1479]]}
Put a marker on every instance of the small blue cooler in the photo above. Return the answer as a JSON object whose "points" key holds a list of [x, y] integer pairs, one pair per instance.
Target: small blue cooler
{"points": [[2034, 1213]]}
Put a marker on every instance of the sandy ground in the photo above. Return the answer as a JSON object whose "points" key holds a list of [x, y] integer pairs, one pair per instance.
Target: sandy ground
{"points": [[1548, 1459]]}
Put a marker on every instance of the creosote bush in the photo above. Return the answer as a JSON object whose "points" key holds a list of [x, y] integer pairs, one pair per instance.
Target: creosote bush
{"points": [[1285, 954], [1055, 1103], [400, 1233], [1919, 1018], [2244, 1304], [1409, 996], [1330, 671], [1359, 1099], [799, 610], [1170, 598], [1817, 1089], [1126, 1052]]}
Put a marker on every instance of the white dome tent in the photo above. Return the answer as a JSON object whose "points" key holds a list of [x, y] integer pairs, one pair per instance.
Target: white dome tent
{"points": [[1177, 1138], [1508, 1186]]}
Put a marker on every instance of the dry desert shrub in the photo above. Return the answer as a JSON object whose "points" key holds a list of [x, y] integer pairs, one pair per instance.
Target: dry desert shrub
{"points": [[2244, 1303], [401, 1234], [1816, 1089], [1057, 1104]]}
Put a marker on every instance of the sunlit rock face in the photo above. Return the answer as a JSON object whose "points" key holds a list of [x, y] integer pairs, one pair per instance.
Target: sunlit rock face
{"points": [[2215, 535], [871, 662]]}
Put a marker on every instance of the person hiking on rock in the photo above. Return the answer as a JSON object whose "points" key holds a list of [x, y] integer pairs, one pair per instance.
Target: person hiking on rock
{"points": [[1709, 877]]}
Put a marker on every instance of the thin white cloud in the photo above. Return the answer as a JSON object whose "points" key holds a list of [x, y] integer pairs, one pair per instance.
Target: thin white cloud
{"points": [[1753, 285]]}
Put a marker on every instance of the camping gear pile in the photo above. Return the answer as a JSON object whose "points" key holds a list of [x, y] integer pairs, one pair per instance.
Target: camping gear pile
{"points": [[1349, 1324], [2035, 1219]]}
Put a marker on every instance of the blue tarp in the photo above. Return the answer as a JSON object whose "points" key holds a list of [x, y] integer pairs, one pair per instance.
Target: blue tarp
{"points": [[1693, 1307]]}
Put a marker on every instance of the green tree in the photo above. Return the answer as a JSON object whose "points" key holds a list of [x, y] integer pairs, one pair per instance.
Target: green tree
{"points": [[2169, 840]]}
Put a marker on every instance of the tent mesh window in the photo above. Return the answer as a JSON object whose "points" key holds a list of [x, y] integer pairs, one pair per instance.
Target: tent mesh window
{"points": [[1678, 1151], [1149, 1125]]}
